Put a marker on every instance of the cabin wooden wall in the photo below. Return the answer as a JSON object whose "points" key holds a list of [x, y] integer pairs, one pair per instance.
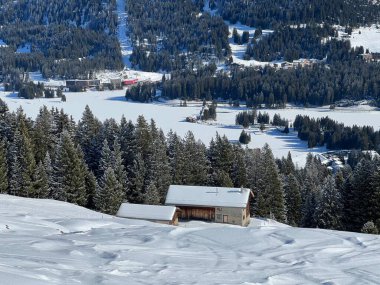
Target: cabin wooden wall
{"points": [[193, 213]]}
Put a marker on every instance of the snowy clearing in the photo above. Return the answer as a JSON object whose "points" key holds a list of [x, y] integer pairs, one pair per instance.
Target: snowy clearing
{"points": [[2, 43], [368, 37], [51, 242], [238, 51], [26, 48], [170, 116]]}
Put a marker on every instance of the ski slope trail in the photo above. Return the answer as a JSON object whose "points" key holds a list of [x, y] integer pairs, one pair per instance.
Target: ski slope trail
{"points": [[51, 242], [125, 41]]}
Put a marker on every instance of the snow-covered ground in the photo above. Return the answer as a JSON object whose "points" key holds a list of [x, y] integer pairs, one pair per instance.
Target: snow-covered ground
{"points": [[26, 48], [2, 43], [51, 242], [125, 41], [238, 51], [169, 116], [368, 37]]}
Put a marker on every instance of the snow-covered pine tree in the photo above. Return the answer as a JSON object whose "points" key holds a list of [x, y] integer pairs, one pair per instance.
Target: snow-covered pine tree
{"points": [[91, 186], [176, 157], [49, 173], [152, 195], [89, 138], [118, 165], [329, 206], [360, 194], [239, 171], [44, 134], [136, 188], [144, 139], [293, 200], [106, 159], [269, 192], [310, 193], [159, 168], [69, 172], [222, 179], [128, 145], [110, 131], [22, 162], [3, 167], [195, 166], [109, 194], [41, 182]]}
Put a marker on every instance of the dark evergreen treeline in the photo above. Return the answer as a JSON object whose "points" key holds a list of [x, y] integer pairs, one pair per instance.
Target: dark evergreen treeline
{"points": [[69, 39], [273, 13], [316, 85], [142, 92], [336, 135], [290, 43], [171, 35], [94, 14], [101, 164]]}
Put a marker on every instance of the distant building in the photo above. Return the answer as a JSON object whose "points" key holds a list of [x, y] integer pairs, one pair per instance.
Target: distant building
{"points": [[214, 204], [153, 213], [130, 81], [81, 85]]}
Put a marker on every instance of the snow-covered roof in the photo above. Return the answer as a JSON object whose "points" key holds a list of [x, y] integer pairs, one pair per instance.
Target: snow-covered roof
{"points": [[180, 195], [146, 212]]}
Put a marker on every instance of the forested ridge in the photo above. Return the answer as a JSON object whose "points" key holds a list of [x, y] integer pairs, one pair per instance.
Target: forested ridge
{"points": [[313, 85], [273, 13], [68, 39], [170, 35], [101, 164]]}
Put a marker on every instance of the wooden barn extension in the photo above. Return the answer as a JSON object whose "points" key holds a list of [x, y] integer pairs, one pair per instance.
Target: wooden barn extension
{"points": [[153, 213]]}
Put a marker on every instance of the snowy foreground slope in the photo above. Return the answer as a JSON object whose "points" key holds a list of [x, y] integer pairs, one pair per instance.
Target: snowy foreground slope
{"points": [[50, 242]]}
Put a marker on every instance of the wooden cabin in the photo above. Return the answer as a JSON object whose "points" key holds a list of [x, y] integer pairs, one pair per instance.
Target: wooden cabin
{"points": [[158, 214], [214, 204]]}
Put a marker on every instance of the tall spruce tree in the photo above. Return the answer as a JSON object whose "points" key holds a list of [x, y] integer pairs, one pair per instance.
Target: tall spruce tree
{"points": [[41, 182], [3, 167], [137, 182], [329, 206], [69, 172], [109, 194], [268, 190], [22, 162], [293, 200], [89, 137]]}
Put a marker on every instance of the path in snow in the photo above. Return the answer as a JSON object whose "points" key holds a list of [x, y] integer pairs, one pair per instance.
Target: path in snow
{"points": [[125, 41], [51, 242]]}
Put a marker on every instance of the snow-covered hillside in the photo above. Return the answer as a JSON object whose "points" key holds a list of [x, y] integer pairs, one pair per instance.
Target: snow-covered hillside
{"points": [[51, 242], [368, 37]]}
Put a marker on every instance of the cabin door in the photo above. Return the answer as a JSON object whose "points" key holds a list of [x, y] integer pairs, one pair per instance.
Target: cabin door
{"points": [[225, 218]]}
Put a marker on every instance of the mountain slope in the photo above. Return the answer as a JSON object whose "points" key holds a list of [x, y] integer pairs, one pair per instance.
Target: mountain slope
{"points": [[51, 242]]}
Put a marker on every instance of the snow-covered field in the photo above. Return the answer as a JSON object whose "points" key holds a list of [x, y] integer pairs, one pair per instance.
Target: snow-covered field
{"points": [[368, 37], [238, 51], [169, 116], [51, 242]]}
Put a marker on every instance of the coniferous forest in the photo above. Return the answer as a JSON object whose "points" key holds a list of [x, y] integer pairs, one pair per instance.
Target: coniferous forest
{"points": [[66, 39], [101, 164]]}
